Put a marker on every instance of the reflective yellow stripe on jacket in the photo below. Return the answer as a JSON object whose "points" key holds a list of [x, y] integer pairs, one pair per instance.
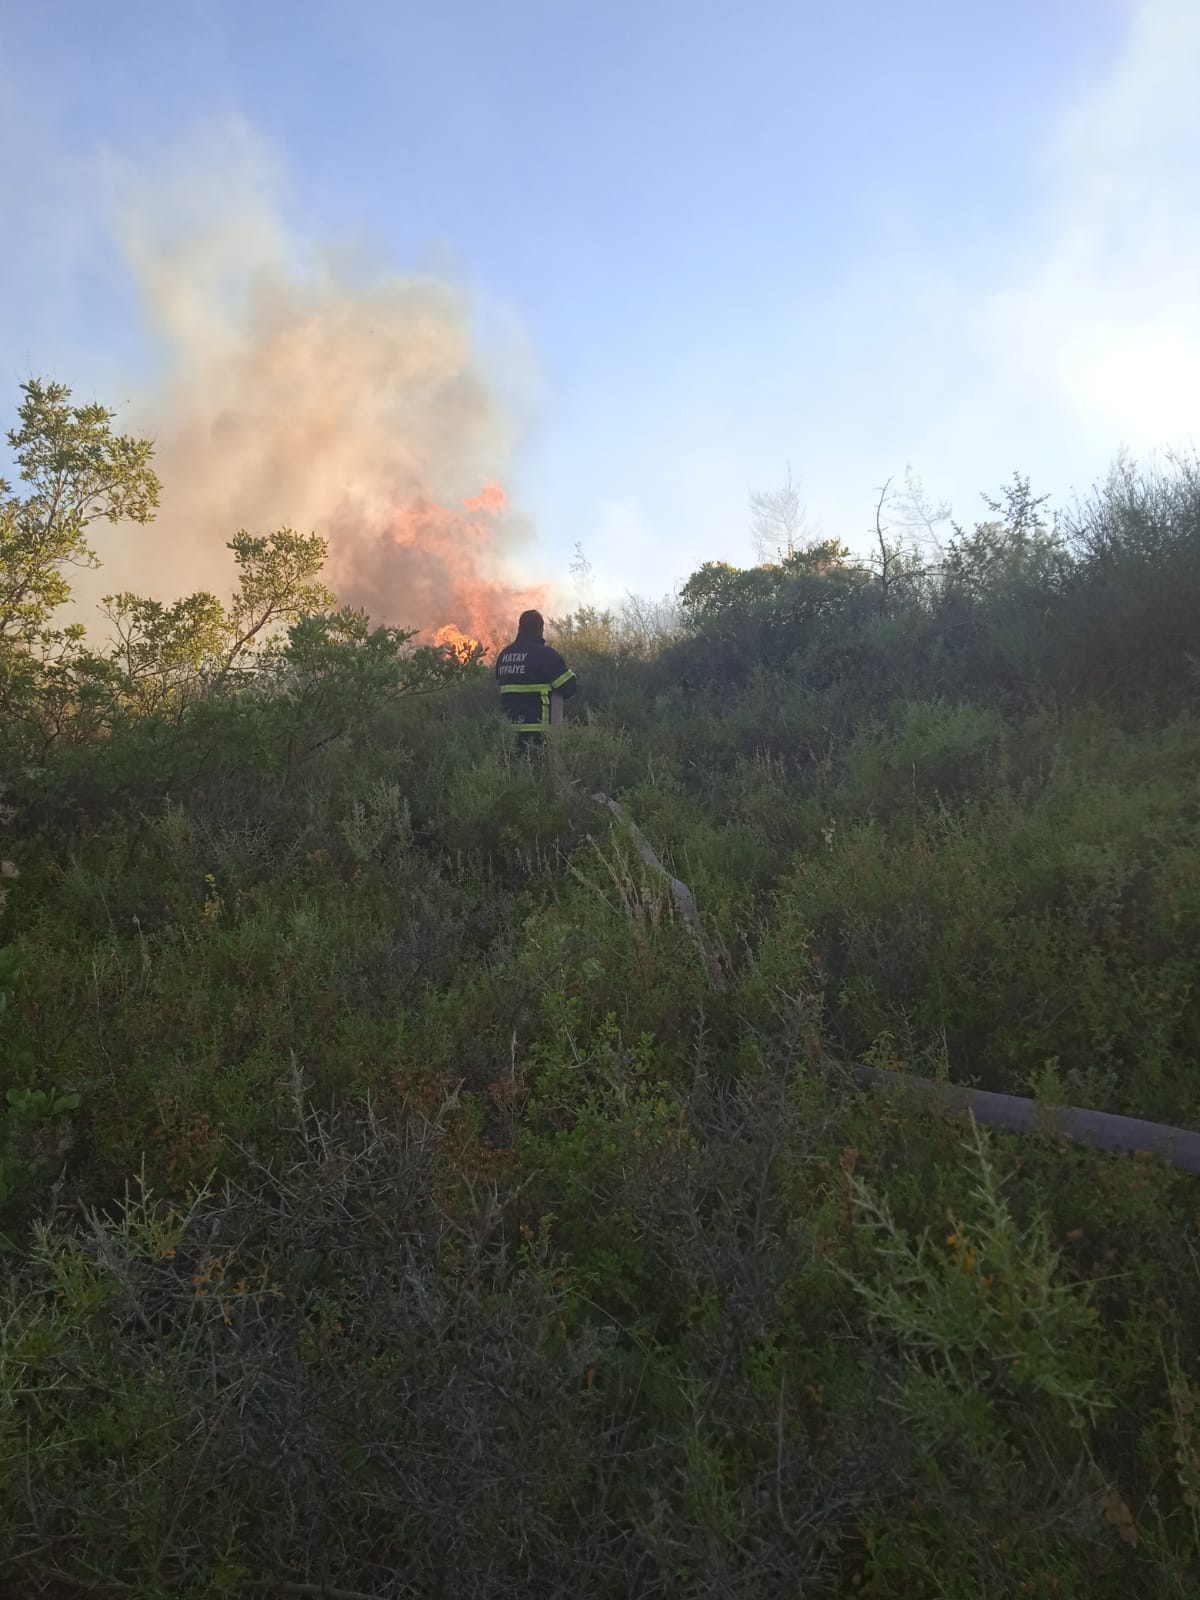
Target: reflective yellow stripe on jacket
{"points": [[545, 690]]}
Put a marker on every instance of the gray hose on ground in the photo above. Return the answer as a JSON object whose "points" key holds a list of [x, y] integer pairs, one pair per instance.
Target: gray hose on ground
{"points": [[685, 900], [1102, 1130]]}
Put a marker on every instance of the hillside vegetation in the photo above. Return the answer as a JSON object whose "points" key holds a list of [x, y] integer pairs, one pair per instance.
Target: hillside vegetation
{"points": [[397, 1198]]}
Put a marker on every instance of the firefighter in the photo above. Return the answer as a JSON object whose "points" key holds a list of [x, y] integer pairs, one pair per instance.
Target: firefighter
{"points": [[529, 672]]}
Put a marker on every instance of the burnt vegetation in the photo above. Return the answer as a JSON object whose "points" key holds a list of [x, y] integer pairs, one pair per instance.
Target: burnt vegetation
{"points": [[399, 1195]]}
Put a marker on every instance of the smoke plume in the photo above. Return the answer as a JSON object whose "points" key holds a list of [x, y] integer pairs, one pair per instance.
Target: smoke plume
{"points": [[303, 391]]}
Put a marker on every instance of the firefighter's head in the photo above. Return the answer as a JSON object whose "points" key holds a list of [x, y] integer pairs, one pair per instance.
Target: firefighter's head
{"points": [[531, 626]]}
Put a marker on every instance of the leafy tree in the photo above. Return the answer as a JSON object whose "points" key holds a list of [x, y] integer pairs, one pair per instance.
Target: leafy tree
{"points": [[711, 590], [53, 688], [742, 619], [280, 581], [164, 656], [79, 472], [163, 652], [334, 671], [67, 694], [1000, 593], [1017, 549], [1130, 622], [792, 590]]}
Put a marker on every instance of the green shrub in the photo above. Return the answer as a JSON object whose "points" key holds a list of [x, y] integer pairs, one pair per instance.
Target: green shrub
{"points": [[497, 1230]]}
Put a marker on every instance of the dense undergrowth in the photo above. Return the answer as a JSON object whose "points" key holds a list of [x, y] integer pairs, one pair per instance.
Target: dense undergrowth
{"points": [[396, 1199]]}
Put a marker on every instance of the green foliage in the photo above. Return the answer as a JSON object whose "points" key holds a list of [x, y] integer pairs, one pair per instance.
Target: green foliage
{"points": [[280, 582], [1024, 610], [23, 1122], [1129, 622], [1017, 551], [78, 472], [981, 1312], [164, 656], [335, 671], [393, 1181], [800, 589], [8, 869], [162, 652]]}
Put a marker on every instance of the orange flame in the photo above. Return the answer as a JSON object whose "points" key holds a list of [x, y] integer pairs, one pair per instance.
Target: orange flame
{"points": [[432, 563], [451, 637]]}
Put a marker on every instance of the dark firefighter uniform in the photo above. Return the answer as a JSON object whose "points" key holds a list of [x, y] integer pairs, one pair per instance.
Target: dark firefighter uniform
{"points": [[529, 672]]}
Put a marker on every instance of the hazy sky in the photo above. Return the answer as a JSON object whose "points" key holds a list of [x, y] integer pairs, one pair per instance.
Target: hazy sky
{"points": [[701, 239]]}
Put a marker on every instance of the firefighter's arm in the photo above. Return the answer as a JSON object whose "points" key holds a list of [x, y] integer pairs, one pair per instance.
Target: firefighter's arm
{"points": [[562, 680]]}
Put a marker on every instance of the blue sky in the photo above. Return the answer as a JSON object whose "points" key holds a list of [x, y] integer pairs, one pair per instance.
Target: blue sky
{"points": [[721, 237]]}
